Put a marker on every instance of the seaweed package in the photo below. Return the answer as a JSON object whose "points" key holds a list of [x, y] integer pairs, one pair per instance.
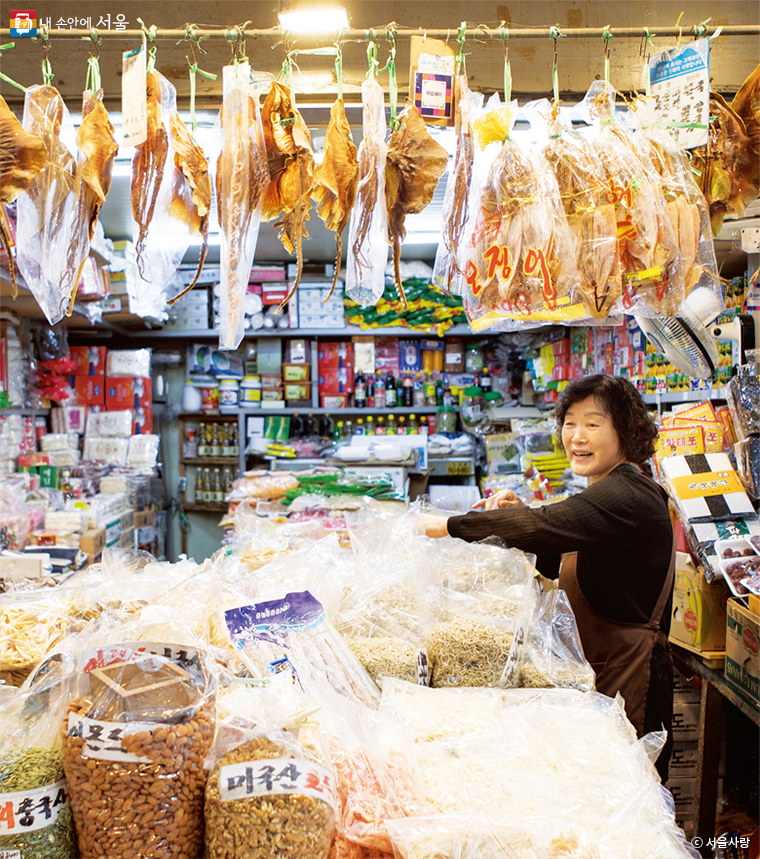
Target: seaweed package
{"points": [[135, 739], [685, 203], [652, 273], [520, 264], [35, 816], [272, 788]]}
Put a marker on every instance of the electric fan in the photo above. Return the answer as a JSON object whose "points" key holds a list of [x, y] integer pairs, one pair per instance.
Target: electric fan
{"points": [[688, 340]]}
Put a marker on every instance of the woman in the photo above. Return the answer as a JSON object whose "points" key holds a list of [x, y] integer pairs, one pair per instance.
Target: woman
{"points": [[616, 544]]}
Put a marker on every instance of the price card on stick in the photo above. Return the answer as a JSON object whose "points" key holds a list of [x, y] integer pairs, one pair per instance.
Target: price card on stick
{"points": [[134, 102], [680, 82]]}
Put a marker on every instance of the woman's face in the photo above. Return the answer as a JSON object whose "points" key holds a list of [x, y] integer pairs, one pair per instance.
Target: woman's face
{"points": [[590, 440]]}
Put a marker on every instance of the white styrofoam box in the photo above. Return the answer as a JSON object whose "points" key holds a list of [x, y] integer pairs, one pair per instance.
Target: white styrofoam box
{"points": [[452, 497], [117, 424], [126, 363], [67, 521], [58, 441], [143, 450], [683, 760], [112, 450], [685, 721], [66, 458]]}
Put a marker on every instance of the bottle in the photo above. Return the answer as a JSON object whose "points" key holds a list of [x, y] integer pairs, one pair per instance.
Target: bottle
{"points": [[359, 428], [216, 445], [430, 391], [360, 392], [226, 439], [418, 397], [401, 428], [380, 428], [227, 479], [348, 428], [390, 427], [407, 390], [218, 492], [296, 426], [235, 446], [424, 426], [326, 426], [448, 397], [439, 391], [339, 432], [191, 397], [413, 428], [370, 426], [390, 392], [202, 485], [370, 391], [209, 434], [65, 485], [309, 426], [202, 447]]}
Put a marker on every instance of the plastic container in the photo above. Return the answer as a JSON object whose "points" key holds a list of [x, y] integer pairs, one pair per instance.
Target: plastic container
{"points": [[229, 393], [250, 392], [446, 420], [494, 399], [209, 396], [453, 361], [472, 406], [191, 397], [473, 359]]}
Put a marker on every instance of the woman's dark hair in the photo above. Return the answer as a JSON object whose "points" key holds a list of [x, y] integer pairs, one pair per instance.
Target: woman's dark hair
{"points": [[621, 401]]}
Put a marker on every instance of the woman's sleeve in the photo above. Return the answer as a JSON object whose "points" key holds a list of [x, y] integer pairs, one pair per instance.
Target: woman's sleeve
{"points": [[606, 511]]}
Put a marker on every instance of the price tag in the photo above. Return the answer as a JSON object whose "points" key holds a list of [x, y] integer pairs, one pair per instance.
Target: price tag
{"points": [[515, 651], [680, 83], [423, 668], [103, 739], [29, 810], [10, 854], [134, 106], [276, 776], [459, 468]]}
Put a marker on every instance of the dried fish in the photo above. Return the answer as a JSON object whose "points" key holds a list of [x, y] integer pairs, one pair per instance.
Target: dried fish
{"points": [[291, 172], [746, 105], [368, 225], [413, 167], [22, 156], [335, 180]]}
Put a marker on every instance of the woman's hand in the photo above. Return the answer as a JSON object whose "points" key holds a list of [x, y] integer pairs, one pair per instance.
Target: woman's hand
{"points": [[502, 499], [432, 526]]}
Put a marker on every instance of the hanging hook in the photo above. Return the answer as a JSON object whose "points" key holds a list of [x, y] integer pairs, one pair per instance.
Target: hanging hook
{"points": [[339, 67], [390, 35], [504, 31], [94, 37], [372, 62], [700, 30], [149, 35], [47, 69], [607, 37], [645, 52], [680, 31], [191, 36]]}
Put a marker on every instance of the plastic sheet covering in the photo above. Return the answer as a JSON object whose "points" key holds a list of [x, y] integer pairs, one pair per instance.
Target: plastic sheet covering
{"points": [[241, 176], [653, 278], [136, 735], [557, 757], [47, 224], [368, 226], [743, 397], [262, 486], [37, 819], [161, 239]]}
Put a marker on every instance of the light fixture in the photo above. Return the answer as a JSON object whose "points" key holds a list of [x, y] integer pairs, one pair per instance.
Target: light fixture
{"points": [[422, 238], [315, 20]]}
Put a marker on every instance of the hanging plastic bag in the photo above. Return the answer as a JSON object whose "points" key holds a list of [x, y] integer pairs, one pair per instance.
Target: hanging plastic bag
{"points": [[47, 228], [36, 818], [368, 226], [521, 253], [685, 204], [136, 736], [652, 274], [456, 211], [241, 178]]}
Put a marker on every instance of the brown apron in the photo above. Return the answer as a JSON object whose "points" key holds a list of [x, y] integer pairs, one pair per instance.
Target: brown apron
{"points": [[620, 653]]}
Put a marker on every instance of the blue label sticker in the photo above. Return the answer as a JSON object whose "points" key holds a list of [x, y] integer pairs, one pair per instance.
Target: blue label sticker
{"points": [[272, 620]]}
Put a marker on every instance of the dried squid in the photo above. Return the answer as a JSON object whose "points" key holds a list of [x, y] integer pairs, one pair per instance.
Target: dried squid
{"points": [[241, 179], [335, 180], [728, 169], [591, 218], [521, 253], [368, 225], [191, 202], [447, 271], [22, 156], [47, 211], [413, 167], [291, 172], [746, 105], [652, 275]]}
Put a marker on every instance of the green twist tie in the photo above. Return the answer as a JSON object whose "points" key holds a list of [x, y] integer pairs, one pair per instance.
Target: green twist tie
{"points": [[460, 61], [93, 81], [390, 34], [371, 55], [8, 80], [607, 37], [194, 70]]}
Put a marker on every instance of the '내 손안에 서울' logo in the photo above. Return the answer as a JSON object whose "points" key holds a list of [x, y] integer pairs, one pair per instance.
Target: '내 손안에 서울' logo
{"points": [[23, 23]]}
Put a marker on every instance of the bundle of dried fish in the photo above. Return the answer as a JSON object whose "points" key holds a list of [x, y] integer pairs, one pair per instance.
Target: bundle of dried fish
{"points": [[591, 218], [413, 167], [47, 210], [191, 199], [335, 179], [652, 274], [456, 210], [368, 225], [746, 105], [241, 179], [728, 168], [291, 172], [22, 156]]}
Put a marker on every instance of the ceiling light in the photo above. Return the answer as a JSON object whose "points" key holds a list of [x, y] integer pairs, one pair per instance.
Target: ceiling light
{"points": [[314, 20], [422, 238]]}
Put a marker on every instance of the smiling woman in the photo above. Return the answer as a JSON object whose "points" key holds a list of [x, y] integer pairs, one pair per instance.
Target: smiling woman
{"points": [[616, 545]]}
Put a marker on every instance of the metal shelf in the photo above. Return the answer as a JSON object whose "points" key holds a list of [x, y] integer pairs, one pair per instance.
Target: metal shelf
{"points": [[205, 508], [685, 396], [210, 416], [18, 410], [347, 331], [318, 410], [201, 461]]}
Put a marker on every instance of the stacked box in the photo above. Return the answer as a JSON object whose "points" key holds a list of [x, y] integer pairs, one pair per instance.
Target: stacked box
{"points": [[316, 310]]}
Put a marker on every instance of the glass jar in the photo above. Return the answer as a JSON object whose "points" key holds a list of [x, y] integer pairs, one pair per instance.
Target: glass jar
{"points": [[446, 420], [472, 406], [453, 355], [473, 359], [494, 399]]}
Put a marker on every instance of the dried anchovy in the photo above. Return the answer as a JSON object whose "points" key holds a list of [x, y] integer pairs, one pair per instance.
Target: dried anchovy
{"points": [[31, 769], [383, 656], [467, 652]]}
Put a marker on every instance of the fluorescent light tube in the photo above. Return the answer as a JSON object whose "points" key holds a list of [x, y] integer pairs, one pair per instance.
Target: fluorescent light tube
{"points": [[314, 20]]}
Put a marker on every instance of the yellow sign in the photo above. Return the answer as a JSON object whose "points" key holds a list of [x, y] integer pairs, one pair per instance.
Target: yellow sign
{"points": [[704, 485]]}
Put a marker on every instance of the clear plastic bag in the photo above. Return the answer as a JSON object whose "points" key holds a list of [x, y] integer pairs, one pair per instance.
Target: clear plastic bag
{"points": [[241, 177], [368, 225]]}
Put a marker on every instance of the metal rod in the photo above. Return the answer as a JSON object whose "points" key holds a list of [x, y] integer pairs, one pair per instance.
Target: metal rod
{"points": [[449, 34]]}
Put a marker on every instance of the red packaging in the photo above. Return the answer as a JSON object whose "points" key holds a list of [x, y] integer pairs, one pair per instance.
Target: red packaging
{"points": [[136, 393], [90, 390], [88, 360], [336, 380], [27, 460], [339, 354], [142, 421], [561, 347]]}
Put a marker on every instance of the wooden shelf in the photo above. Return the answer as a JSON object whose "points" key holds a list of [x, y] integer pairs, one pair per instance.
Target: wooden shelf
{"points": [[203, 461], [198, 417], [205, 508]]}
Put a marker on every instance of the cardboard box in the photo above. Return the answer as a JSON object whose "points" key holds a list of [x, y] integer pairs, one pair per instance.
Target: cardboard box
{"points": [[742, 651], [684, 792], [336, 380], [125, 393], [699, 608], [683, 760], [113, 531], [296, 372], [93, 542], [685, 721], [144, 519], [145, 538], [90, 390], [49, 476], [338, 354], [298, 351], [298, 391], [88, 360]]}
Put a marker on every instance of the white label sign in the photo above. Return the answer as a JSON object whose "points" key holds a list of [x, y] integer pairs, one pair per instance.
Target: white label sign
{"points": [[28, 810], [102, 740], [134, 106], [433, 95], [276, 776], [10, 854], [680, 82], [436, 64]]}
